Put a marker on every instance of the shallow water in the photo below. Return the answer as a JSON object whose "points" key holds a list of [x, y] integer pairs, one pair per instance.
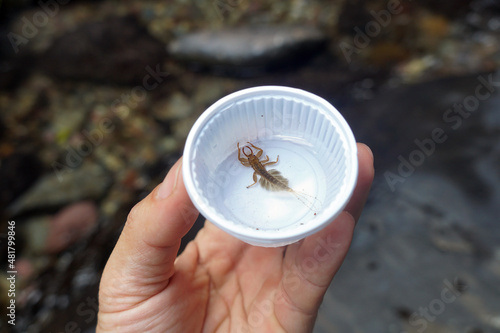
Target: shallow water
{"points": [[259, 208]]}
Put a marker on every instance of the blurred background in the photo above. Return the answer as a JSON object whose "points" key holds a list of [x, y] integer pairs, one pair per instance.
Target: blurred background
{"points": [[97, 98]]}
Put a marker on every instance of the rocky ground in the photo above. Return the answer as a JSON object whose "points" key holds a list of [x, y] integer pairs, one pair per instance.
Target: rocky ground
{"points": [[97, 98]]}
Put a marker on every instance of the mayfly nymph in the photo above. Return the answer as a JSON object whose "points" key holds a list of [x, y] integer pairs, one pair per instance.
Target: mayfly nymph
{"points": [[271, 180]]}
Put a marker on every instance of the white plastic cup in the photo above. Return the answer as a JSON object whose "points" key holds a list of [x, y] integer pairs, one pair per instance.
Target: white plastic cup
{"points": [[317, 154]]}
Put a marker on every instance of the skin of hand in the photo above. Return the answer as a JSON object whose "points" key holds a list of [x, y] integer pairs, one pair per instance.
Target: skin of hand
{"points": [[218, 283]]}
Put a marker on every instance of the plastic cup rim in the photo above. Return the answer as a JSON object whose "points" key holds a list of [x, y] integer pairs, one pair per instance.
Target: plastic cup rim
{"points": [[270, 237]]}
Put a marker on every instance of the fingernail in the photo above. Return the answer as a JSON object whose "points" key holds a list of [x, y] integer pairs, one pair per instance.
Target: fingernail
{"points": [[167, 187], [368, 149]]}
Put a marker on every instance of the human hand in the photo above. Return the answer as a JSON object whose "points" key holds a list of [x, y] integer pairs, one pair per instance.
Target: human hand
{"points": [[219, 283]]}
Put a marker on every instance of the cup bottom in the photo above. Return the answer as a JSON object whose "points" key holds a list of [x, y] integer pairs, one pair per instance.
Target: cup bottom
{"points": [[258, 208]]}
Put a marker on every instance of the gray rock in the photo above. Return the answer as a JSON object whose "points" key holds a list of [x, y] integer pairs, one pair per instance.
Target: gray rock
{"points": [[248, 51], [174, 107], [11, 185], [65, 186], [427, 245], [415, 251]]}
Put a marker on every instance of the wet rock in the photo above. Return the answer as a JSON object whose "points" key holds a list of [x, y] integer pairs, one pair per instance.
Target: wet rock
{"points": [[10, 5], [452, 8], [169, 145], [70, 225], [68, 116], [452, 239], [248, 51], [486, 6], [64, 186], [353, 14], [34, 231], [12, 186], [177, 106], [25, 268], [411, 245], [451, 227], [386, 54], [117, 49], [432, 232], [13, 68]]}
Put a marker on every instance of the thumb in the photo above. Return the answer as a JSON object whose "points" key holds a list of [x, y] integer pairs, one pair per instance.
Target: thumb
{"points": [[142, 261]]}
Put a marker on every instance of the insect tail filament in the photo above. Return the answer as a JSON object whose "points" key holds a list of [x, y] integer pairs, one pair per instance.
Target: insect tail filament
{"points": [[313, 203]]}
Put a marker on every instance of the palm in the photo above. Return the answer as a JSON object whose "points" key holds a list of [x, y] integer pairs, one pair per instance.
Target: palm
{"points": [[221, 284], [243, 285]]}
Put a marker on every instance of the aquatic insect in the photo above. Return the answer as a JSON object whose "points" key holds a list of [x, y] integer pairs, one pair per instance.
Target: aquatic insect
{"points": [[271, 180]]}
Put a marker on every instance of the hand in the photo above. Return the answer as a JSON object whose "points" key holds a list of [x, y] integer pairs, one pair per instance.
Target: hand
{"points": [[219, 283]]}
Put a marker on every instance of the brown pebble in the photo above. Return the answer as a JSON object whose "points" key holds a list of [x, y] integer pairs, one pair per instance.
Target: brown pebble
{"points": [[70, 225]]}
